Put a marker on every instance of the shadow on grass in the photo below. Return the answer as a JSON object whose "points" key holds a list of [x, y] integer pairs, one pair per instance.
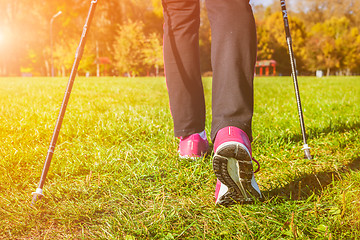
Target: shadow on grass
{"points": [[339, 127], [306, 185]]}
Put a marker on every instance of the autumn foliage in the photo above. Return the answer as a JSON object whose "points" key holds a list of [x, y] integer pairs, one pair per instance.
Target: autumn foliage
{"points": [[129, 34]]}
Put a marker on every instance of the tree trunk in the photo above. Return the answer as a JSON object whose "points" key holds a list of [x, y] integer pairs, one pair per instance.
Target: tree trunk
{"points": [[63, 71], [47, 68], [348, 72]]}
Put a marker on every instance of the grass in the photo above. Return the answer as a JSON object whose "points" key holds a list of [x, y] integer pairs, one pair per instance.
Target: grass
{"points": [[116, 175]]}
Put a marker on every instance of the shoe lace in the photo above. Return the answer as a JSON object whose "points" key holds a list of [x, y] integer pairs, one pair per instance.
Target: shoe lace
{"points": [[258, 169]]}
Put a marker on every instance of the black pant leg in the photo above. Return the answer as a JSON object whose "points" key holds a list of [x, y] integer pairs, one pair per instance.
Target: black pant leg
{"points": [[182, 65], [233, 55]]}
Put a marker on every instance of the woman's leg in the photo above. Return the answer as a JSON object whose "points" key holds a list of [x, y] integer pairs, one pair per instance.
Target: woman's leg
{"points": [[233, 55], [182, 65]]}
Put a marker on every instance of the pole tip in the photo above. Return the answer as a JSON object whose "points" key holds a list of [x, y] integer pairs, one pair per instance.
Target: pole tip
{"points": [[306, 149], [307, 154], [36, 196]]}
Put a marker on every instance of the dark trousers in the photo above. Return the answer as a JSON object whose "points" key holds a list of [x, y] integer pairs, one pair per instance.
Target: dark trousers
{"points": [[233, 56]]}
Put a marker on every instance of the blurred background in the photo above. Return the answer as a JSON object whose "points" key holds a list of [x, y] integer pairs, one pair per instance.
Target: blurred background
{"points": [[39, 38]]}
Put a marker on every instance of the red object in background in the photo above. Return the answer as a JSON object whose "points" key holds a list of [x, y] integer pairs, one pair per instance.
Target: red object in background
{"points": [[268, 65]]}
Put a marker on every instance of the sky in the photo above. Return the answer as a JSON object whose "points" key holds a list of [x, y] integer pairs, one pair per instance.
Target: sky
{"points": [[263, 2]]}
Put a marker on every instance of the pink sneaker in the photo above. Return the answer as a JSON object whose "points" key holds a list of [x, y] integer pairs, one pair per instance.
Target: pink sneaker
{"points": [[193, 146], [232, 164]]}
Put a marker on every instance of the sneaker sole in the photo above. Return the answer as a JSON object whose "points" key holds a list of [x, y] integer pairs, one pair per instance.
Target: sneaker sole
{"points": [[202, 156], [233, 167], [191, 158]]}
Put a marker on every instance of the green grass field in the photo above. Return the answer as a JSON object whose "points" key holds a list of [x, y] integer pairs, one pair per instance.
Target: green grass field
{"points": [[116, 173]]}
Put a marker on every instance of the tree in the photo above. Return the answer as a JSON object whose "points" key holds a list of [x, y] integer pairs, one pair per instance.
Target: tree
{"points": [[351, 50], [314, 12], [153, 53], [265, 42], [157, 8], [64, 55], [333, 46], [25, 36], [272, 41], [128, 48], [205, 40]]}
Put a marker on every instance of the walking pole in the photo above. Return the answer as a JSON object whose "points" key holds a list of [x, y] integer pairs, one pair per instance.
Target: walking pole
{"points": [[306, 148], [38, 194]]}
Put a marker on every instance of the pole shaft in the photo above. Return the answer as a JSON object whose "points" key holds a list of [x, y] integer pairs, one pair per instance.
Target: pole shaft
{"points": [[294, 76], [65, 101], [297, 91]]}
